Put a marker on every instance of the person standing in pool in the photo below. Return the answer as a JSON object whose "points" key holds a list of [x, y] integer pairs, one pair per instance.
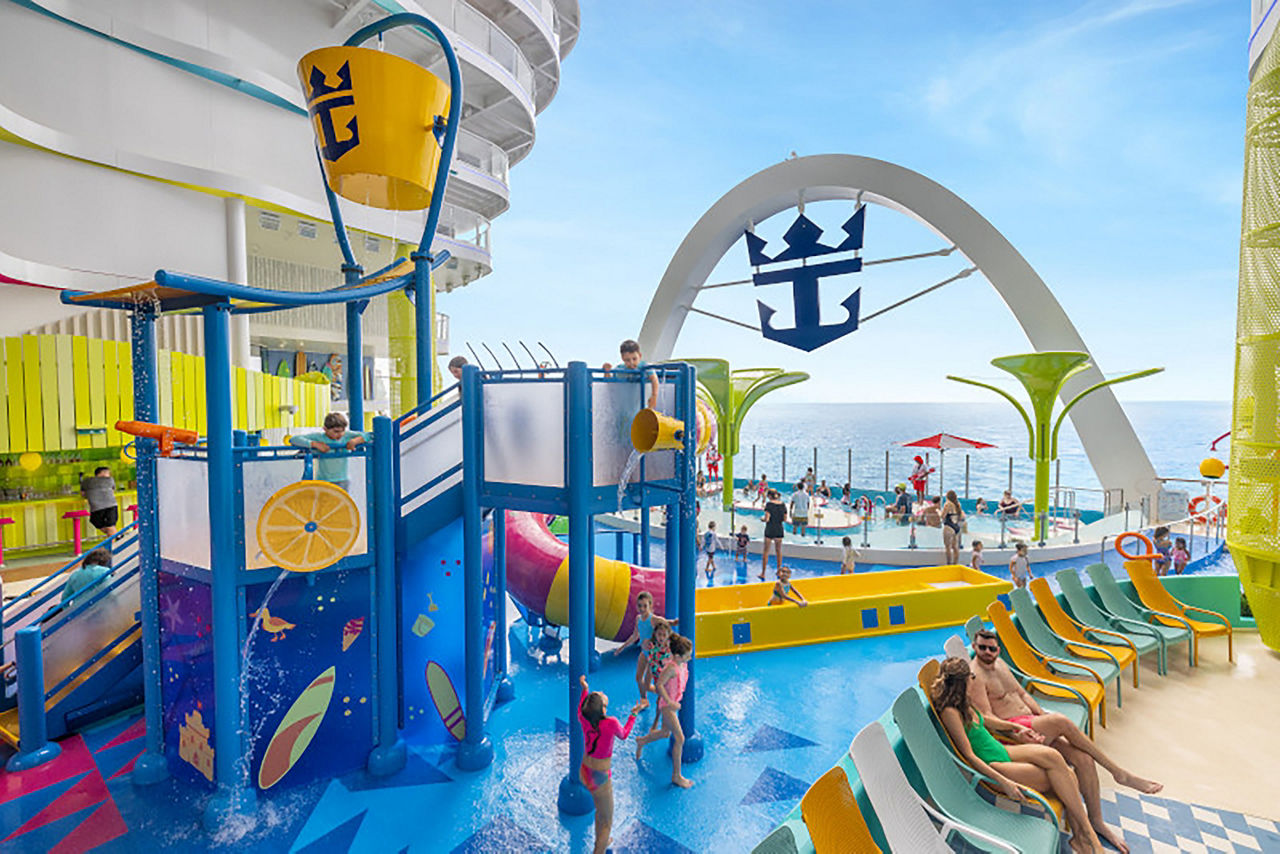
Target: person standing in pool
{"points": [[952, 521], [800, 510], [919, 478], [641, 634], [670, 686], [741, 540], [596, 773], [1020, 566], [900, 509], [709, 544], [775, 517]]}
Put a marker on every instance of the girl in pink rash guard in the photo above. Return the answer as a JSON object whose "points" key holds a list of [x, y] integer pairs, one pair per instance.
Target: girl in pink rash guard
{"points": [[599, 731]]}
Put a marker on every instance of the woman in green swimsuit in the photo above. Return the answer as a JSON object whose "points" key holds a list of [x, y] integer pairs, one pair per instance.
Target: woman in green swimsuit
{"points": [[1010, 765]]}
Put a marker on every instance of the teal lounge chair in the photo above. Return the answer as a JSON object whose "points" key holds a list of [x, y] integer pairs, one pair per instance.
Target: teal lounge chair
{"points": [[1144, 637], [952, 785], [1075, 710], [1037, 632], [1114, 600]]}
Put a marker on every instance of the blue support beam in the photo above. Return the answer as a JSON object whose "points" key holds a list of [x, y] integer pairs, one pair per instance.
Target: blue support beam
{"points": [[389, 753], [475, 751], [151, 767], [671, 570], [506, 688], [355, 355], [686, 461], [574, 799], [34, 747]]}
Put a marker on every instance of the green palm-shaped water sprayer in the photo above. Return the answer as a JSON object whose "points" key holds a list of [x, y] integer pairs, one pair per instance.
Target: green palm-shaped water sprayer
{"points": [[1043, 375]]}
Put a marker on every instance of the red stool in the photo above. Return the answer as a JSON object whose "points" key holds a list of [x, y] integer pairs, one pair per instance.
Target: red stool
{"points": [[133, 508], [3, 521], [75, 516]]}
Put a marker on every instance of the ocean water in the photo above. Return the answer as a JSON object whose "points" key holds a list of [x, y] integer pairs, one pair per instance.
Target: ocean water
{"points": [[1176, 435]]}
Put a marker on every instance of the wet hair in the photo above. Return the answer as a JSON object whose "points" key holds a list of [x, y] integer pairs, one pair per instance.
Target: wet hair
{"points": [[952, 497], [458, 362], [951, 689], [660, 623], [628, 346], [679, 645], [1180, 543], [711, 526], [334, 420], [1162, 531], [100, 469], [845, 541], [592, 709], [1019, 547], [977, 543], [645, 596], [98, 557], [774, 494]]}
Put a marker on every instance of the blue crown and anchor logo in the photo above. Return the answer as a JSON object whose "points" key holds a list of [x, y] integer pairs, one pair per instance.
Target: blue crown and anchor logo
{"points": [[333, 147], [802, 239]]}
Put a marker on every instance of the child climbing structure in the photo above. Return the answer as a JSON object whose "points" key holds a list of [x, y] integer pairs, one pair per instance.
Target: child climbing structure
{"points": [[295, 630]]}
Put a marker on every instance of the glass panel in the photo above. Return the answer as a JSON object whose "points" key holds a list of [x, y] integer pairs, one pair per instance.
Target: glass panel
{"points": [[613, 406], [70, 644], [262, 478], [524, 433], [661, 465], [427, 454], [183, 491]]}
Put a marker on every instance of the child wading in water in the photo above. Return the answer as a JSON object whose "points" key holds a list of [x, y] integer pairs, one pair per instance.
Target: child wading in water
{"points": [[642, 634], [670, 689], [975, 557], [658, 652], [709, 543], [595, 772], [741, 540], [1180, 556], [1020, 566], [784, 592], [848, 557]]}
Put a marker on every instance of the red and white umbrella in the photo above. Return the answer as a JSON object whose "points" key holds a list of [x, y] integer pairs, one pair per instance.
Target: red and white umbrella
{"points": [[943, 442]]}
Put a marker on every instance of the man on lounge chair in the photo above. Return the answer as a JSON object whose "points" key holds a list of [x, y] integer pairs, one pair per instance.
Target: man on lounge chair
{"points": [[997, 694]]}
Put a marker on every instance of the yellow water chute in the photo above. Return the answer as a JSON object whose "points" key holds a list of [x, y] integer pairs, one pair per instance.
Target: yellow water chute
{"points": [[373, 114], [653, 431]]}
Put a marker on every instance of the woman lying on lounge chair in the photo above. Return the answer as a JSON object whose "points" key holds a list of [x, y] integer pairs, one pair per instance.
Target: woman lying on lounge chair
{"points": [[1030, 764]]}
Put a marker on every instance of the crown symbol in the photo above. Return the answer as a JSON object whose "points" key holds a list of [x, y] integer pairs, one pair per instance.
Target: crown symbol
{"points": [[802, 240], [320, 82]]}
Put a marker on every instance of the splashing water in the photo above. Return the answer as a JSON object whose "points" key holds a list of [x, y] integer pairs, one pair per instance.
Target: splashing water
{"points": [[248, 668], [629, 469]]}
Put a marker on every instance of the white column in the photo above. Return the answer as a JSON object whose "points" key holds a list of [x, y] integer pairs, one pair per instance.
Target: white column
{"points": [[237, 273]]}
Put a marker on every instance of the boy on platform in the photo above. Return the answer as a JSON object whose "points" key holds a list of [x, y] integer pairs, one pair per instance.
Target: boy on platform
{"points": [[336, 437]]}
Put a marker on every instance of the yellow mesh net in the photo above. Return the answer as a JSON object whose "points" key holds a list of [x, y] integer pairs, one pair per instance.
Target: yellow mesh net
{"points": [[1253, 528]]}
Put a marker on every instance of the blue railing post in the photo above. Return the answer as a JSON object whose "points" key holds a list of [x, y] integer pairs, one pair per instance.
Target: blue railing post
{"points": [[34, 747], [233, 796], [355, 353], [506, 688], [475, 752], [151, 766], [671, 572], [389, 752], [687, 460], [574, 798]]}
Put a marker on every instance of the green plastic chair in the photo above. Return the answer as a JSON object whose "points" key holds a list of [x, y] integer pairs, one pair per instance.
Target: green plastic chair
{"points": [[1114, 600], [952, 785], [1075, 710], [1143, 636], [1037, 632]]}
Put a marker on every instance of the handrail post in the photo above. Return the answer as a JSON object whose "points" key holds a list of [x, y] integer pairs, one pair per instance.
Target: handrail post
{"points": [[506, 688], [34, 747], [475, 751], [1004, 520], [389, 753], [686, 406]]}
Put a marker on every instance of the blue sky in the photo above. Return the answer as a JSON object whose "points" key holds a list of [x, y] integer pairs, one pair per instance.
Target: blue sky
{"points": [[1104, 139]]}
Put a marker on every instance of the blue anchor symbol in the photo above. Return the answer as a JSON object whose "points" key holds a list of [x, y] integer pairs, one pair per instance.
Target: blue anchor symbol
{"points": [[809, 333]]}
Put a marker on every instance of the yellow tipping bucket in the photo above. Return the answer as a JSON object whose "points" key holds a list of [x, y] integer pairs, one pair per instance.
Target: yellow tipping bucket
{"points": [[653, 431], [373, 113]]}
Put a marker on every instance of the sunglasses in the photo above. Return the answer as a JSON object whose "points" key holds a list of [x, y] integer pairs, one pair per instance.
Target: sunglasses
{"points": [[987, 647]]}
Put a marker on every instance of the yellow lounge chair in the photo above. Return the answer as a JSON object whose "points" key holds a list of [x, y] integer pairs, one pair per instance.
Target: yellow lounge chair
{"points": [[831, 815], [1171, 612], [1073, 632], [1032, 662]]}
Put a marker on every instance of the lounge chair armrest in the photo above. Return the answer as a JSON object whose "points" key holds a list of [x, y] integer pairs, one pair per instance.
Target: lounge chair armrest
{"points": [[1033, 795], [1206, 611], [1094, 648], [1163, 615], [1064, 663], [1138, 627], [1031, 681], [950, 825], [1117, 635]]}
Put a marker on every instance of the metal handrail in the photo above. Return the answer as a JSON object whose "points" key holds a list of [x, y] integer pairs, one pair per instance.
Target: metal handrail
{"points": [[31, 591], [52, 592]]}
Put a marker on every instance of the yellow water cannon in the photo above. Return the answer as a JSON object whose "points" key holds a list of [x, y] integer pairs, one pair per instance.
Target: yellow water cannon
{"points": [[653, 431]]}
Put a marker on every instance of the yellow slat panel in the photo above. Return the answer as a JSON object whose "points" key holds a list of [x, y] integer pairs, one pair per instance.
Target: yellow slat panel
{"points": [[250, 404], [97, 391], [111, 391], [177, 379], [126, 382], [48, 365], [239, 401], [31, 386], [31, 522], [54, 527], [4, 400], [164, 379], [189, 383], [66, 392], [80, 374], [286, 397], [273, 402], [202, 399], [260, 393]]}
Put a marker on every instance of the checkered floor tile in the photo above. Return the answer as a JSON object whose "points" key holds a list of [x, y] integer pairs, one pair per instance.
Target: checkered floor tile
{"points": [[1156, 825]]}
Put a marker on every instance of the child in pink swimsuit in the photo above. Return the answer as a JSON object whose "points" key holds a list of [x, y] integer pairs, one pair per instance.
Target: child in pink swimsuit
{"points": [[670, 687], [595, 772]]}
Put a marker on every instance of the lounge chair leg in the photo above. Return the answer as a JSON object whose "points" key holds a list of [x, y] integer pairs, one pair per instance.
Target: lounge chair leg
{"points": [[1137, 667], [1231, 655], [1119, 697], [1102, 710]]}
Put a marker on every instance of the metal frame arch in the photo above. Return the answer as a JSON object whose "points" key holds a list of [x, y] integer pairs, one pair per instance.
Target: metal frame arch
{"points": [[1113, 448]]}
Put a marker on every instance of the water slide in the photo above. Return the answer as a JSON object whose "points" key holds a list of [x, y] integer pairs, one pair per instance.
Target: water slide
{"points": [[92, 649]]}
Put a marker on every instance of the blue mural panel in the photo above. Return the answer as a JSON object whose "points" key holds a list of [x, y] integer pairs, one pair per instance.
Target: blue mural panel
{"points": [[186, 658]]}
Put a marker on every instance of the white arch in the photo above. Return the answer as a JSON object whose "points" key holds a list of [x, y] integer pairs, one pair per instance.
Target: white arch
{"points": [[1117, 457]]}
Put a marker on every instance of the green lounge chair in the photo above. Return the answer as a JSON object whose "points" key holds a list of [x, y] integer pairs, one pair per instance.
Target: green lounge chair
{"points": [[952, 785], [1114, 600], [1075, 709], [1144, 637], [1069, 629], [1085, 656]]}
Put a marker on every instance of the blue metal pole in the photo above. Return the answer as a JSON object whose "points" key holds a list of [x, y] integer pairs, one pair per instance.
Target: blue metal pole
{"points": [[355, 355], [233, 795], [389, 753], [475, 752], [574, 798], [34, 747], [643, 558], [506, 688], [425, 327], [686, 460], [151, 766], [671, 572]]}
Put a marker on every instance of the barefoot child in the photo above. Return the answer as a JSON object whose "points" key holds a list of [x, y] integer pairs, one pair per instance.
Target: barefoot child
{"points": [[1020, 566], [598, 733], [784, 592], [741, 540], [659, 653], [1180, 556], [709, 543], [670, 692], [848, 557], [641, 634], [975, 557]]}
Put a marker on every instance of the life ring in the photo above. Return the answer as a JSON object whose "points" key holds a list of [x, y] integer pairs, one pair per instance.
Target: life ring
{"points": [[1195, 505], [1151, 554]]}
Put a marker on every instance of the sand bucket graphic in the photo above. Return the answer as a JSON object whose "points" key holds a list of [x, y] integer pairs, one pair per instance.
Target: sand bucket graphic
{"points": [[653, 431], [373, 114]]}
